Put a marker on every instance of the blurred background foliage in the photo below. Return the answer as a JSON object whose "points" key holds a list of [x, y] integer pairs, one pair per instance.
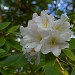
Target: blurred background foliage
{"points": [[13, 14], [20, 11]]}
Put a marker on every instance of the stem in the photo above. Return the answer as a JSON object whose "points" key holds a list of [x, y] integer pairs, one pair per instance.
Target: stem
{"points": [[60, 65], [71, 64], [62, 60], [31, 69]]}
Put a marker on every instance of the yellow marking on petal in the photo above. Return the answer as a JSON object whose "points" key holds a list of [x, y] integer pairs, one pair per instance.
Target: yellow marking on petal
{"points": [[57, 27], [53, 41], [46, 23], [39, 37]]}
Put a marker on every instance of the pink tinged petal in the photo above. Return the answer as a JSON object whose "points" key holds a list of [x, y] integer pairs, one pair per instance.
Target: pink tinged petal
{"points": [[56, 51]]}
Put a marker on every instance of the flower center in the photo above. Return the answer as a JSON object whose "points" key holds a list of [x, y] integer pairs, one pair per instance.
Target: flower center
{"points": [[57, 27], [33, 50], [39, 37], [46, 23], [53, 41]]}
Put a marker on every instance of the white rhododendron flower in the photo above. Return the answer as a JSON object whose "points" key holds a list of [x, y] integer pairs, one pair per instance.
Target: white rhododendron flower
{"points": [[43, 21], [32, 37], [53, 43], [45, 34]]}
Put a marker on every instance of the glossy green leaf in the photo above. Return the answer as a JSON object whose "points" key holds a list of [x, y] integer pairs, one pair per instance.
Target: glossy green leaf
{"points": [[73, 72], [2, 41], [51, 70], [2, 50], [4, 54], [4, 25], [72, 43], [69, 54], [6, 72], [15, 44], [14, 60], [12, 29], [21, 61], [7, 46], [50, 58], [3, 72]]}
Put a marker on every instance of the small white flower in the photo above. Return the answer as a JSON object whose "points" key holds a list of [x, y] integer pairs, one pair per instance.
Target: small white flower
{"points": [[53, 43], [62, 26], [43, 21]]}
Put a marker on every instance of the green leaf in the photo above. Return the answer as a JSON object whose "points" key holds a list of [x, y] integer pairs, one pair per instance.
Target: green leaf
{"points": [[16, 45], [3, 72], [6, 72], [2, 41], [2, 50], [17, 60], [66, 72], [21, 61], [50, 58], [72, 43], [51, 70], [69, 54], [4, 25], [12, 29], [7, 46], [4, 54], [73, 72]]}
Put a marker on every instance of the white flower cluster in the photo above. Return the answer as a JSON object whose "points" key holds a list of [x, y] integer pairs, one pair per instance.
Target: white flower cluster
{"points": [[45, 34]]}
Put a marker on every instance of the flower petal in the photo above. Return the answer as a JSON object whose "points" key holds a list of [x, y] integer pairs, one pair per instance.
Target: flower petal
{"points": [[34, 15], [31, 45], [45, 49], [64, 45], [38, 48], [56, 51]]}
